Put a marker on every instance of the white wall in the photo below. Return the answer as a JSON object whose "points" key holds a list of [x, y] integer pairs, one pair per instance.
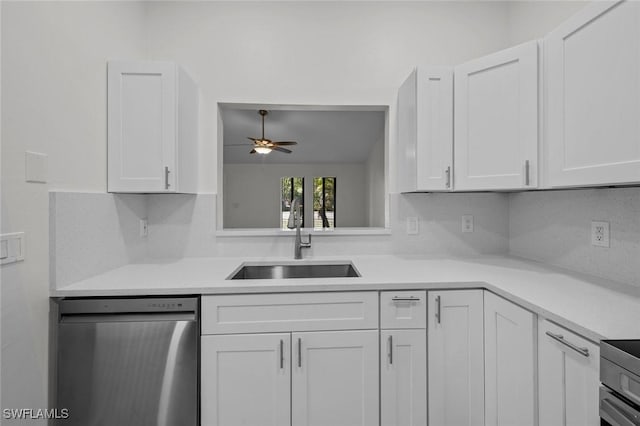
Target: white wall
{"points": [[333, 53], [528, 20], [54, 102], [376, 186], [252, 193]]}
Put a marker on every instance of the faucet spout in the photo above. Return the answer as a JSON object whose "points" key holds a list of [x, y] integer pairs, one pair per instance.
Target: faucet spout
{"points": [[295, 221]]}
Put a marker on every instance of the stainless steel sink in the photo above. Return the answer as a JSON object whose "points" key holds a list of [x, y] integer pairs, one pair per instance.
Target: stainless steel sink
{"points": [[316, 270]]}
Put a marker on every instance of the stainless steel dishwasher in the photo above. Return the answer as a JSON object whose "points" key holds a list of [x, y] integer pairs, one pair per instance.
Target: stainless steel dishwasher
{"points": [[127, 361]]}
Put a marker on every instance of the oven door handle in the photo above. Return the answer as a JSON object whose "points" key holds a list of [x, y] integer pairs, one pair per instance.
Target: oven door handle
{"points": [[618, 414]]}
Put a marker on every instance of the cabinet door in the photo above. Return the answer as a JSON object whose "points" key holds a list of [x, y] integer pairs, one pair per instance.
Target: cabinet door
{"points": [[593, 96], [141, 126], [245, 380], [456, 358], [568, 371], [425, 131], [510, 359], [403, 377], [496, 120], [335, 378]]}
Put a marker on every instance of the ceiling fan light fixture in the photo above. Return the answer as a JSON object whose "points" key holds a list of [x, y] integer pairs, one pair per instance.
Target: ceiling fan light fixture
{"points": [[262, 149]]}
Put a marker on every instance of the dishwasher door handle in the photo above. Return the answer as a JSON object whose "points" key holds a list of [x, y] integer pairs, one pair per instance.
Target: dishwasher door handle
{"points": [[131, 317]]}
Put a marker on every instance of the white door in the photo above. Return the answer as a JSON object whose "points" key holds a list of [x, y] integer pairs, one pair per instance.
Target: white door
{"points": [[456, 358], [496, 120], [403, 377], [569, 377], [425, 130], [510, 359], [335, 378], [246, 380], [592, 105], [141, 126]]}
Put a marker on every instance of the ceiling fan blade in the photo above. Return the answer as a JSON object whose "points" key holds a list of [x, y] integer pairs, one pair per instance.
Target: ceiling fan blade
{"points": [[283, 143], [238, 144], [253, 139], [253, 151], [277, 148]]}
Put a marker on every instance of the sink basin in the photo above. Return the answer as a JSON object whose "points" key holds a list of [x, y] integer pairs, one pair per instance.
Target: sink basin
{"points": [[316, 270]]}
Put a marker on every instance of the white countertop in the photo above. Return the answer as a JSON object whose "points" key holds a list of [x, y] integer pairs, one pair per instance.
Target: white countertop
{"points": [[592, 307]]}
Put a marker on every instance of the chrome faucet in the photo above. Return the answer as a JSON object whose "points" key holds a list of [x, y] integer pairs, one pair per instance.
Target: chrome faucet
{"points": [[295, 221]]}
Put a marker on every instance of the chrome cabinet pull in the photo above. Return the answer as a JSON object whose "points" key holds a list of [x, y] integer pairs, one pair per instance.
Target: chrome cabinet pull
{"points": [[281, 354], [299, 353], [438, 309], [526, 173], [448, 173], [390, 351], [405, 299], [560, 338], [166, 177]]}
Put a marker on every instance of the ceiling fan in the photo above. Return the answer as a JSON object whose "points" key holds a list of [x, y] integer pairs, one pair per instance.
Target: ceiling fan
{"points": [[263, 145]]}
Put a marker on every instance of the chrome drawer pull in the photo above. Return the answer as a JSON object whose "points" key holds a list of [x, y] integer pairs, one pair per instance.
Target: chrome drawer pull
{"points": [[448, 174], [438, 309], [526, 173], [405, 299], [560, 338], [390, 350], [299, 353]]}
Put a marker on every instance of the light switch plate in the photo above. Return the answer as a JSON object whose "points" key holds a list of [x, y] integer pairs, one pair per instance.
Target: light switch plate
{"points": [[36, 167], [412, 226], [15, 249]]}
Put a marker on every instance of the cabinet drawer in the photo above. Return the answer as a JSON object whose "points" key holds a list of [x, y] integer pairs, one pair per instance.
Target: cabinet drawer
{"points": [[403, 309], [289, 312]]}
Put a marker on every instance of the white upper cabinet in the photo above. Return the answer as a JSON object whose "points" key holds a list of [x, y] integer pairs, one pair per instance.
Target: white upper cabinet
{"points": [[592, 79], [425, 131], [496, 120], [152, 128]]}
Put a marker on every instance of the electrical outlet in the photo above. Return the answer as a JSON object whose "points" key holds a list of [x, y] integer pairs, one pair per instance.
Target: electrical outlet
{"points": [[467, 223], [600, 234], [412, 226], [144, 228]]}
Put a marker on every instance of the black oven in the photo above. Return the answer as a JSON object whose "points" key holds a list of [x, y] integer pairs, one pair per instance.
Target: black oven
{"points": [[620, 377]]}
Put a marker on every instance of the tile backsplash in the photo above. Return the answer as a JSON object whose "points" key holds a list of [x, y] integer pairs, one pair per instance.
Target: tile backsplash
{"points": [[91, 233]]}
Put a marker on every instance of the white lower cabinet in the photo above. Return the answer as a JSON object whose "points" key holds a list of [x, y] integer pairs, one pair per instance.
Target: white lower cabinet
{"points": [[335, 378], [403, 377], [569, 380], [510, 363], [285, 376], [246, 380], [456, 358]]}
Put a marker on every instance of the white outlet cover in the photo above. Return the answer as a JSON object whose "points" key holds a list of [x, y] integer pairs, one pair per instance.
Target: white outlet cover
{"points": [[144, 227], [412, 226], [467, 223], [600, 234]]}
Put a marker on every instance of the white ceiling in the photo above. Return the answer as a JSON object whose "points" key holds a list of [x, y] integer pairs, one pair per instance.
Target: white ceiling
{"points": [[324, 136]]}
